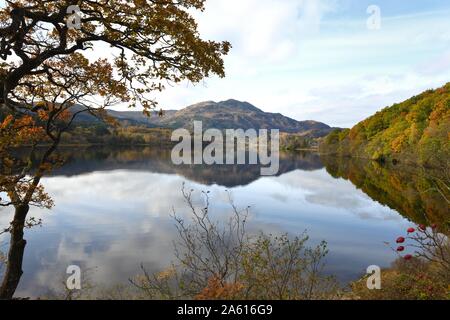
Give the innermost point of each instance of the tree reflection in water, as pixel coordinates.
(410, 191)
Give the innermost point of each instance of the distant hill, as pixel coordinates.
(233, 114)
(230, 114)
(415, 131)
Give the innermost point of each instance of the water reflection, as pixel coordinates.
(113, 205)
(158, 160)
(414, 192)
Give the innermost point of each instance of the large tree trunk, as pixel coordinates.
(14, 271)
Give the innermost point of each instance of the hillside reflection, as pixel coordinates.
(411, 191)
(93, 159)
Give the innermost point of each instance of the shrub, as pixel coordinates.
(422, 271)
(217, 260)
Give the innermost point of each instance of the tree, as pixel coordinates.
(47, 79)
(414, 131)
(153, 42)
(221, 259)
(21, 188)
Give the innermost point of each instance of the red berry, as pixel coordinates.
(408, 257)
(400, 240)
(423, 227)
(401, 248)
(411, 230)
(434, 226)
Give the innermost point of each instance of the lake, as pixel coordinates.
(113, 211)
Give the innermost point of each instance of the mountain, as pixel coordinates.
(414, 131)
(229, 114)
(233, 114)
(138, 118)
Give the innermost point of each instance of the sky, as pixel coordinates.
(319, 59)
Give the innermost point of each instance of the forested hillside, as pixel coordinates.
(414, 131)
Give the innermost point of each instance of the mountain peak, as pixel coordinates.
(230, 105)
(233, 103)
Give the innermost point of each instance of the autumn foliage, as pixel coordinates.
(222, 260)
(220, 290)
(421, 272)
(48, 78)
(414, 131)
(143, 45)
(419, 194)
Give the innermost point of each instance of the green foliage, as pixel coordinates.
(333, 137)
(283, 268)
(416, 131)
(101, 134)
(293, 142)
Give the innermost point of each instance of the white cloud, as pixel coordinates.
(290, 57)
(305, 60)
(263, 29)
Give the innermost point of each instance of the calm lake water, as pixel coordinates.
(113, 206)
